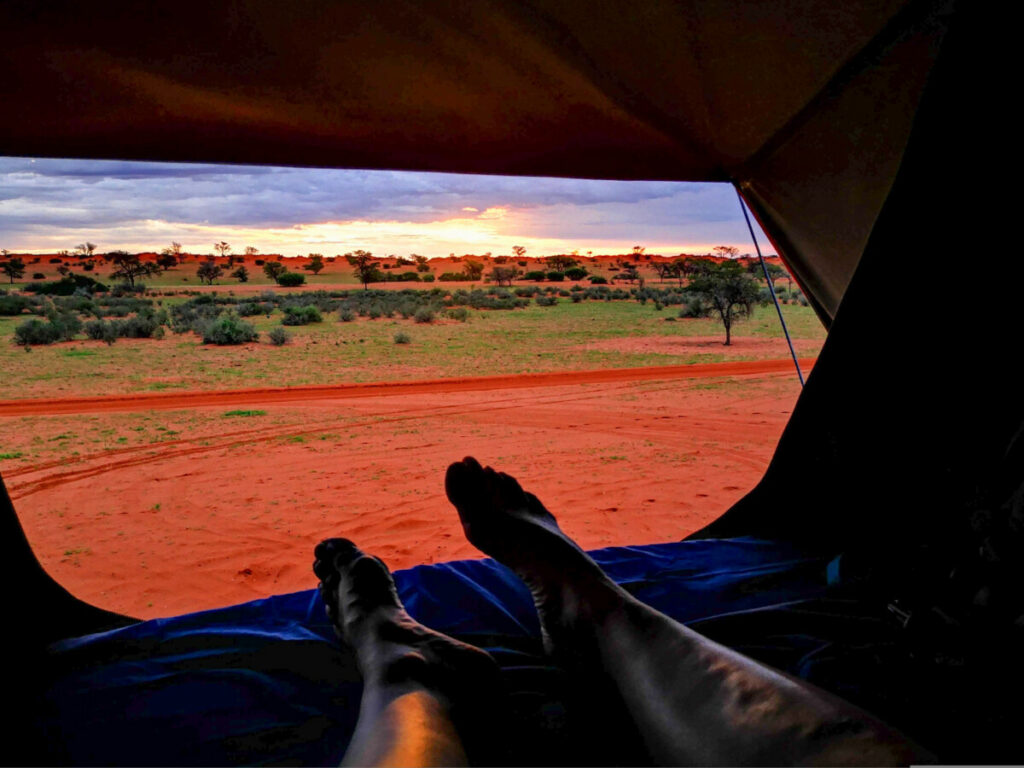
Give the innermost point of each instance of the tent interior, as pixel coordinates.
(889, 522)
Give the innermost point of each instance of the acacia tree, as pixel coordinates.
(242, 274)
(128, 266)
(250, 252)
(222, 248)
(504, 275)
(14, 268)
(274, 269)
(421, 262)
(726, 251)
(316, 263)
(86, 250)
(473, 270)
(730, 291)
(560, 262)
(209, 271)
(519, 251)
(365, 267)
(169, 257)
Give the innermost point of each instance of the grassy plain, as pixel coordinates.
(568, 336)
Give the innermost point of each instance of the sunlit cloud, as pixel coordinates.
(51, 205)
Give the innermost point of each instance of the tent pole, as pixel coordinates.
(771, 287)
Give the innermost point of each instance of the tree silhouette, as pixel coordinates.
(365, 267)
(128, 266)
(209, 271)
(14, 268)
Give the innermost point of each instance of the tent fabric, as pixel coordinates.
(267, 682)
(785, 98)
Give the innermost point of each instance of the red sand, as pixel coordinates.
(193, 524)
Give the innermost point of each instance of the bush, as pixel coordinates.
(66, 286)
(576, 273)
(279, 336)
(424, 315)
(13, 305)
(458, 313)
(36, 331)
(695, 307)
(301, 315)
(402, 338)
(536, 275)
(598, 280)
(546, 301)
(290, 279)
(346, 315)
(38, 276)
(555, 276)
(427, 278)
(228, 328)
(100, 330)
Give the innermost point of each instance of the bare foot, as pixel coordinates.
(391, 647)
(512, 526)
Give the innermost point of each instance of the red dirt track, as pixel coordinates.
(146, 401)
(231, 511)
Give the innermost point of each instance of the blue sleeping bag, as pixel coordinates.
(267, 681)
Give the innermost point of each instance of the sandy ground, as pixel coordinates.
(232, 514)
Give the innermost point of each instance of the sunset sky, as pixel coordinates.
(51, 205)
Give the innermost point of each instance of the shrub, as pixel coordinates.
(38, 276)
(424, 315)
(13, 305)
(228, 328)
(694, 307)
(290, 279)
(555, 276)
(546, 301)
(427, 278)
(458, 313)
(402, 338)
(598, 280)
(536, 275)
(36, 331)
(301, 315)
(346, 315)
(576, 273)
(100, 330)
(279, 336)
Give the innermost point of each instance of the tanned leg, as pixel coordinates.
(692, 701)
(416, 682)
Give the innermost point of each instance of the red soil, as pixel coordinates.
(624, 457)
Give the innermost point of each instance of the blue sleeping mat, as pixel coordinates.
(267, 682)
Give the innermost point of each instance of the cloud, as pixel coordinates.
(48, 203)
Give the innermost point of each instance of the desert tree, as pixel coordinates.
(421, 262)
(223, 249)
(473, 270)
(726, 251)
(274, 269)
(730, 291)
(241, 274)
(560, 262)
(316, 263)
(504, 275)
(638, 251)
(13, 267)
(663, 269)
(129, 267)
(169, 257)
(629, 271)
(519, 251)
(250, 252)
(85, 250)
(365, 267)
(209, 271)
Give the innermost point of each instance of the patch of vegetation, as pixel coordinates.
(227, 329)
(403, 338)
(279, 336)
(243, 413)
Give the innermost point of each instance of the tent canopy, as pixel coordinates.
(785, 99)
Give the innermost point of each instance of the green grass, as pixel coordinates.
(244, 413)
(534, 339)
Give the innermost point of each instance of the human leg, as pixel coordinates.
(417, 683)
(692, 701)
